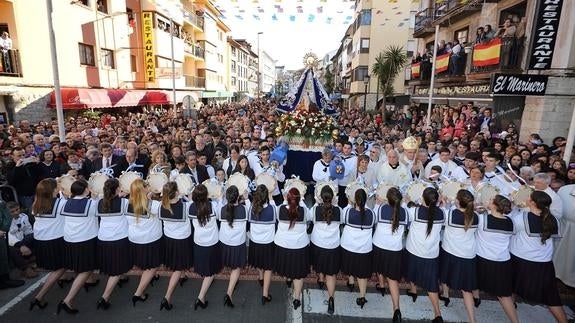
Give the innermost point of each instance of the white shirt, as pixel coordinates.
(357, 234)
(206, 235)
(146, 228)
(176, 224)
(460, 173)
(556, 207)
(325, 235)
(278, 174)
(5, 43)
(446, 168)
(113, 226)
(320, 171)
(456, 240)
(50, 226)
(295, 237)
(418, 242)
(526, 243)
(80, 225)
(396, 177)
(19, 227)
(235, 234)
(263, 226)
(493, 236)
(228, 166)
(384, 237)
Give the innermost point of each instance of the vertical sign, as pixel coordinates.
(545, 34)
(148, 45)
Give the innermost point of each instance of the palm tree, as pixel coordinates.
(387, 65)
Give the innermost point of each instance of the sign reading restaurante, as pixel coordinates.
(148, 39)
(545, 34)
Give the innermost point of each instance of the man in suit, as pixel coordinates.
(130, 162)
(106, 161)
(487, 124)
(199, 173)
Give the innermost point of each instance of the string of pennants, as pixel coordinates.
(314, 11)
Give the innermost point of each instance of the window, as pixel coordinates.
(85, 2)
(364, 45)
(233, 81)
(360, 73)
(461, 35)
(108, 58)
(86, 54)
(133, 63)
(103, 6)
(365, 17)
(412, 19)
(234, 51)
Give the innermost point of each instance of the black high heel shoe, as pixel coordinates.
(350, 287)
(296, 304)
(361, 301)
(200, 304)
(477, 301)
(136, 299)
(413, 295)
(156, 278)
(228, 301)
(320, 284)
(380, 289)
(330, 306)
(183, 280)
(266, 299)
(122, 281)
(445, 300)
(261, 281)
(87, 285)
(63, 306)
(37, 302)
(166, 305)
(102, 304)
(437, 319)
(396, 316)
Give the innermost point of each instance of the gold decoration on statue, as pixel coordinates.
(310, 60)
(279, 131)
(335, 133)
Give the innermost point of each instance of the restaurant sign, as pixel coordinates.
(455, 90)
(519, 84)
(148, 39)
(545, 34)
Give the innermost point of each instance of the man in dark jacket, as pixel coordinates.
(24, 176)
(199, 173)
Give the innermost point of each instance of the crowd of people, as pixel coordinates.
(432, 241)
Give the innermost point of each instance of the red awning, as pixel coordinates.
(78, 98)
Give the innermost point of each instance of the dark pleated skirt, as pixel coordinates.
(325, 261)
(291, 263)
(423, 272)
(388, 263)
(356, 264)
(49, 253)
(495, 277)
(207, 260)
(178, 253)
(114, 257)
(261, 256)
(80, 256)
(234, 256)
(535, 281)
(458, 273)
(148, 255)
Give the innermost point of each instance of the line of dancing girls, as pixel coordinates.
(498, 252)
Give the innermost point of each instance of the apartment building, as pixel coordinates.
(267, 69)
(240, 73)
(522, 69)
(112, 54)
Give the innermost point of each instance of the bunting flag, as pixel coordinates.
(487, 54)
(442, 63)
(319, 9)
(415, 70)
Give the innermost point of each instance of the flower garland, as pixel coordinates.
(312, 127)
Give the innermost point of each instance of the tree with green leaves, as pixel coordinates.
(386, 67)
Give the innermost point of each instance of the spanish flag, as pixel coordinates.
(415, 70)
(442, 63)
(487, 54)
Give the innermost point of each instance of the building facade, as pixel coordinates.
(522, 70)
(267, 71)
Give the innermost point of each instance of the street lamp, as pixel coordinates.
(259, 72)
(366, 82)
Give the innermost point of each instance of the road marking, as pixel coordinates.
(315, 302)
(23, 295)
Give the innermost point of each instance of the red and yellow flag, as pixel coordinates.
(487, 54)
(442, 63)
(415, 70)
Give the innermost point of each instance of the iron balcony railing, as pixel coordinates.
(10, 63)
(195, 81)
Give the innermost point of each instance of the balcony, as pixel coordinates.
(194, 49)
(423, 23)
(501, 55)
(450, 11)
(194, 19)
(10, 61)
(195, 81)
